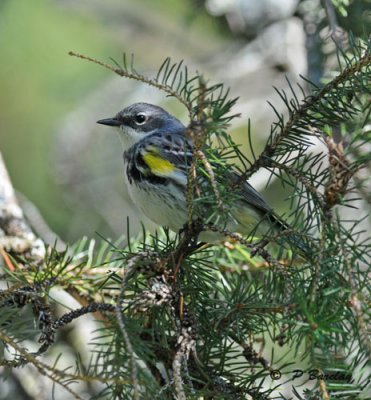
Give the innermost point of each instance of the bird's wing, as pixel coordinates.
(177, 149)
(248, 193)
(255, 199)
(169, 154)
(166, 155)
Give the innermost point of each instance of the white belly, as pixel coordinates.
(169, 208)
(158, 206)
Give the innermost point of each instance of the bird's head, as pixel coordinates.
(141, 119)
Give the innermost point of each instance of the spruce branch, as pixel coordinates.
(132, 266)
(355, 303)
(301, 177)
(53, 373)
(182, 311)
(48, 339)
(314, 112)
(42, 368)
(339, 174)
(256, 248)
(130, 73)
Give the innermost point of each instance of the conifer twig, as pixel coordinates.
(42, 368)
(132, 265)
(256, 248)
(301, 112)
(134, 75)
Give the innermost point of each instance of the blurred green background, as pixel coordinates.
(40, 83)
(56, 155)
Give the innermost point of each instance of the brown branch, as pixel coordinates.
(340, 174)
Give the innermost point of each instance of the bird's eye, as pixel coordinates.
(140, 119)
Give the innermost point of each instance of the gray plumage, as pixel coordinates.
(157, 157)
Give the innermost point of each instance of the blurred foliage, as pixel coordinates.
(40, 83)
(351, 16)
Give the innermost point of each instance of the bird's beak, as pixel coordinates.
(110, 122)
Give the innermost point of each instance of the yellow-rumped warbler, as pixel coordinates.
(157, 156)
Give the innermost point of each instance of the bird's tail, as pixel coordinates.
(297, 243)
(287, 236)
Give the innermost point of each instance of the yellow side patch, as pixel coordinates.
(158, 165)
